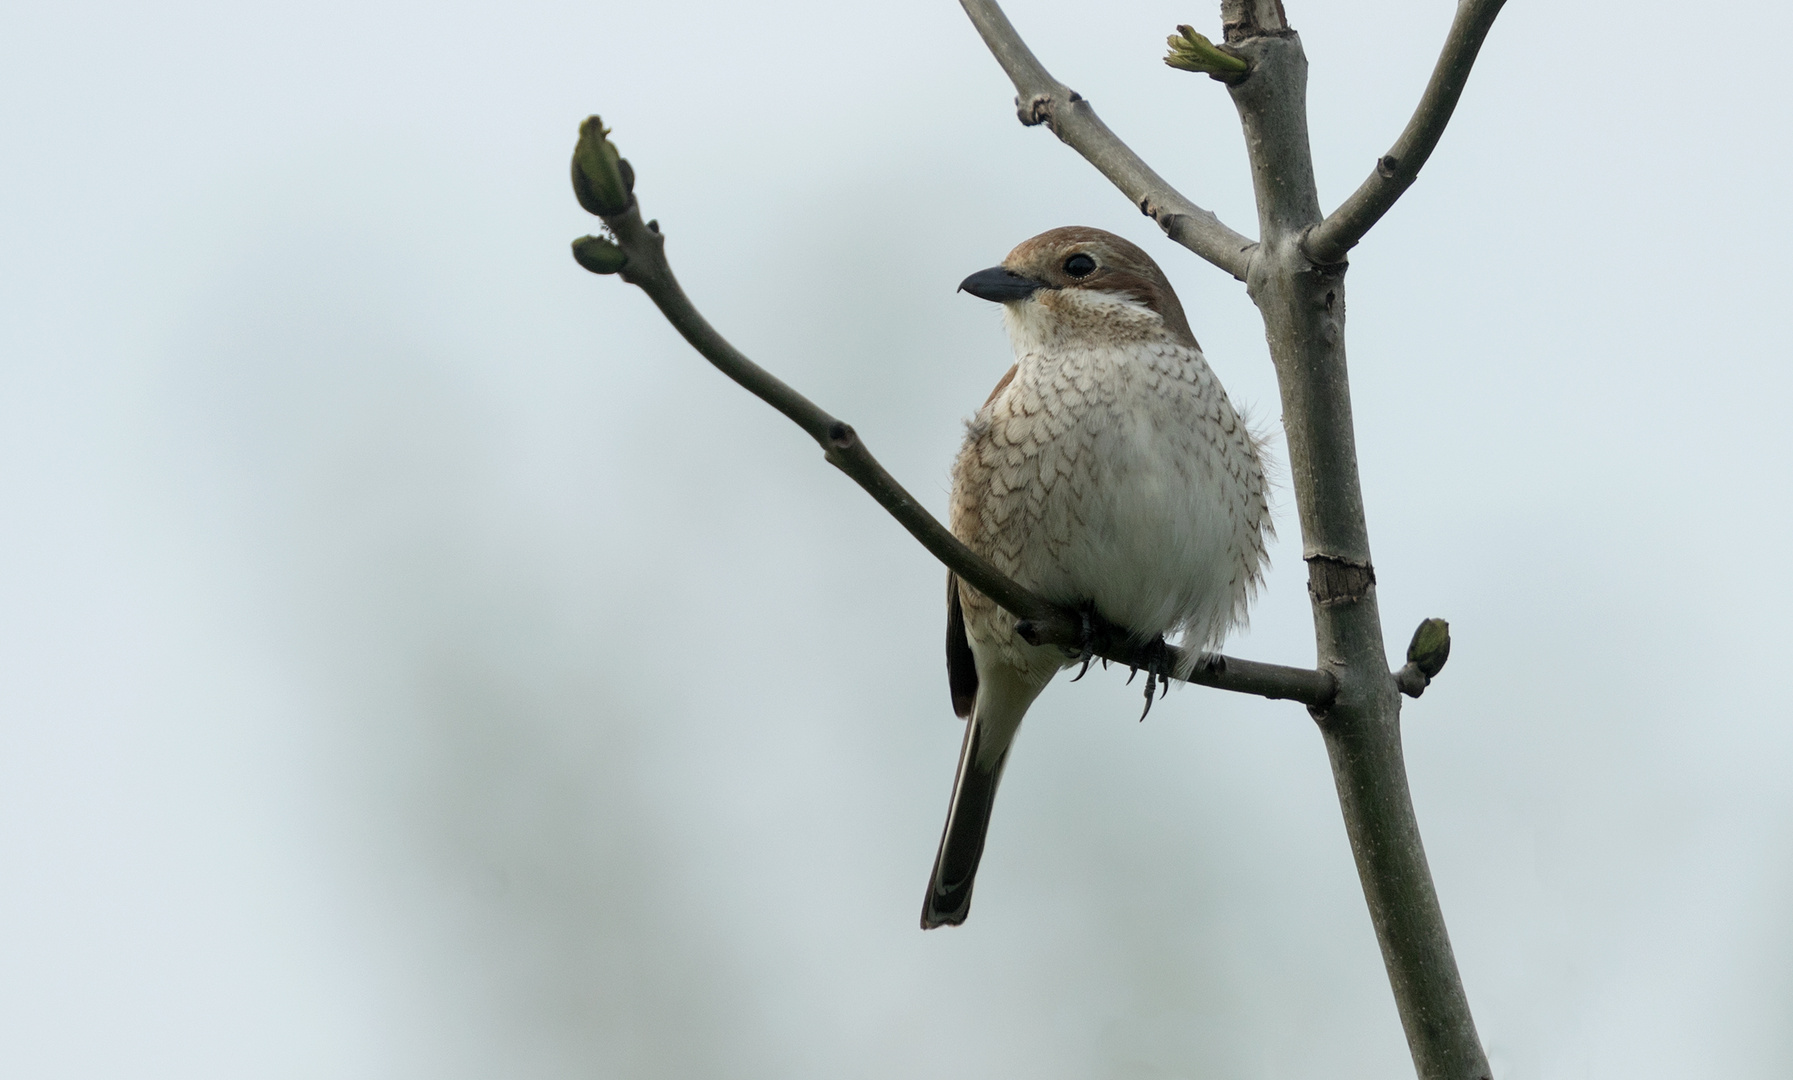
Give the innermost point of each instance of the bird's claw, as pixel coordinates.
(1087, 652)
(1155, 674)
(1084, 670)
(1157, 659)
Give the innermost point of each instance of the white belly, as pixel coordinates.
(1126, 479)
(1159, 544)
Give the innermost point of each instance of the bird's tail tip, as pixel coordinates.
(942, 910)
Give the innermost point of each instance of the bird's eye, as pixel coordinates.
(1080, 266)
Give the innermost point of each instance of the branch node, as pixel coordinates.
(1038, 110)
(1241, 19)
(1165, 219)
(1028, 631)
(841, 435)
(1387, 165)
(1410, 680)
(1332, 580)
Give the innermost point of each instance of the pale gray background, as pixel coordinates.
(418, 663)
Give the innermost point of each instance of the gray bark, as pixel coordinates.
(1303, 306)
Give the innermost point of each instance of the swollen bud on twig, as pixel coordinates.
(1190, 51)
(599, 255)
(1431, 647)
(602, 181)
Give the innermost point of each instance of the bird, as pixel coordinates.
(1109, 473)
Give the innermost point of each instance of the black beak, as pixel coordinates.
(1000, 284)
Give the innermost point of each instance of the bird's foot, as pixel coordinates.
(1157, 672)
(1086, 635)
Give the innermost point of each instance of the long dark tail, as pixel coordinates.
(967, 823)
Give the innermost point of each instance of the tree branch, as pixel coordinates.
(1295, 275)
(1396, 170)
(1041, 99)
(637, 251)
(1303, 307)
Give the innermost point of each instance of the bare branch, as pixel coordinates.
(638, 254)
(1303, 306)
(645, 265)
(1396, 170)
(1041, 99)
(1314, 689)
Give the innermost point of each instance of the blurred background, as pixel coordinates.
(416, 662)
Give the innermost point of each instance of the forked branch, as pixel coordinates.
(1042, 99)
(636, 251)
(1396, 170)
(1296, 278)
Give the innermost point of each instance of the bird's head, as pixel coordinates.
(1074, 282)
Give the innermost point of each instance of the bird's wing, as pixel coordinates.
(961, 666)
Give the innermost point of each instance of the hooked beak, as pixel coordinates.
(1001, 285)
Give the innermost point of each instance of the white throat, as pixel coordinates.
(1054, 319)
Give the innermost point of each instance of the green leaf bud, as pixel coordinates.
(602, 180)
(1431, 646)
(1191, 51)
(599, 255)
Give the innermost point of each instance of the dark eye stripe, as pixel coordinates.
(1080, 265)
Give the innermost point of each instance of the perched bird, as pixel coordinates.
(1108, 472)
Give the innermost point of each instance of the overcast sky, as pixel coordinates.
(416, 663)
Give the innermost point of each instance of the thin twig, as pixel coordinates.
(1396, 170)
(1042, 99)
(1045, 623)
